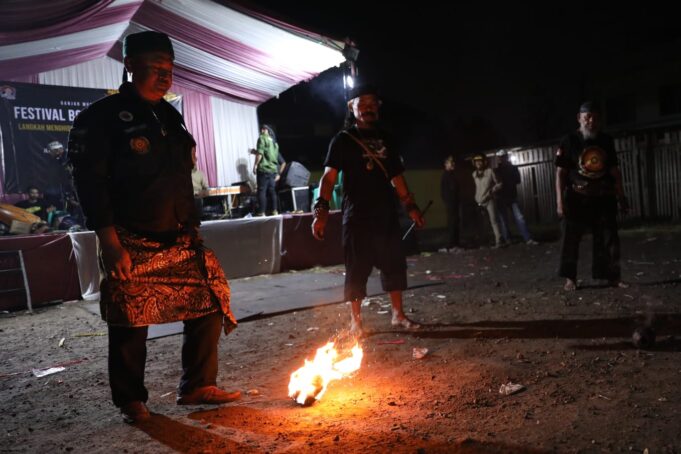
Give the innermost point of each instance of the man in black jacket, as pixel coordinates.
(132, 163)
(450, 191)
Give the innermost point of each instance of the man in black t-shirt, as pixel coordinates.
(588, 190)
(372, 173)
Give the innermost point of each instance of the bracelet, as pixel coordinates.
(321, 207)
(321, 203)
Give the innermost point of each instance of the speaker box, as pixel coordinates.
(295, 175)
(294, 199)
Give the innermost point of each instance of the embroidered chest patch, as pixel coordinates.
(125, 116)
(140, 145)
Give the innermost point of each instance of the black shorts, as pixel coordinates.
(367, 247)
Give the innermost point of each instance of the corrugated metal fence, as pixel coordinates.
(651, 177)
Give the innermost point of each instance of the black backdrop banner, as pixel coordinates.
(34, 126)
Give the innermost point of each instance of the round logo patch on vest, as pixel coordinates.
(124, 115)
(140, 145)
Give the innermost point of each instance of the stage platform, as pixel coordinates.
(63, 266)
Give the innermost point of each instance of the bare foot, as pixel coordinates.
(356, 328)
(618, 284)
(404, 322)
(570, 285)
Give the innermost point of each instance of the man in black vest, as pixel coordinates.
(132, 162)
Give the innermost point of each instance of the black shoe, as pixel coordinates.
(211, 395)
(135, 411)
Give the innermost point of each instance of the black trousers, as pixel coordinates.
(598, 215)
(266, 191)
(370, 246)
(453, 221)
(128, 354)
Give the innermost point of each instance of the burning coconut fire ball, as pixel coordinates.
(309, 383)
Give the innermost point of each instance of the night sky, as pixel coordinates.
(462, 78)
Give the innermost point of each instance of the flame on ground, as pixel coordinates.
(309, 383)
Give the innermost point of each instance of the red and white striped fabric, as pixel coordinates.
(219, 51)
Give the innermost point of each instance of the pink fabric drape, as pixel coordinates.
(206, 83)
(160, 19)
(198, 114)
(35, 16)
(90, 18)
(94, 17)
(19, 67)
(250, 9)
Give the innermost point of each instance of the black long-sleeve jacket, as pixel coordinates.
(132, 165)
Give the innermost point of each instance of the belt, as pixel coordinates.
(585, 190)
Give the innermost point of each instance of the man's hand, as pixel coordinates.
(117, 262)
(321, 216)
(416, 216)
(258, 158)
(561, 183)
(318, 227)
(191, 235)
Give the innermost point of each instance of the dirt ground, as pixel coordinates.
(499, 317)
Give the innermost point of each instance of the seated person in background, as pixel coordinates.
(200, 183)
(71, 216)
(36, 205)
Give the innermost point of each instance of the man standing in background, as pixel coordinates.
(268, 166)
(450, 192)
(507, 199)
